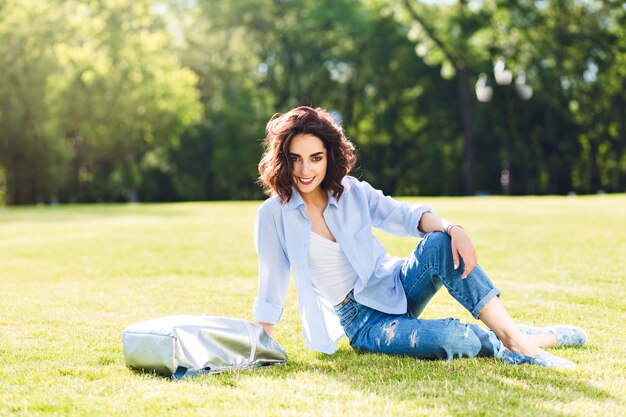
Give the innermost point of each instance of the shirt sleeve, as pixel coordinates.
(395, 217)
(273, 265)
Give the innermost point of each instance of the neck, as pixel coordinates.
(317, 198)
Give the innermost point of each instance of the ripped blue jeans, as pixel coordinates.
(423, 273)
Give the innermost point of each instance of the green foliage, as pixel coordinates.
(123, 100)
(95, 98)
(3, 186)
(571, 57)
(118, 99)
(402, 119)
(30, 154)
(567, 55)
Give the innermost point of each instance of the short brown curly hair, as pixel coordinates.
(276, 167)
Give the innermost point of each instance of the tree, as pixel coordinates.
(91, 99)
(447, 40)
(122, 100)
(31, 155)
(572, 50)
(167, 100)
(555, 139)
(251, 65)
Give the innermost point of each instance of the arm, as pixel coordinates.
(395, 217)
(273, 269)
(403, 219)
(462, 246)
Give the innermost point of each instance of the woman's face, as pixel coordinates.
(309, 158)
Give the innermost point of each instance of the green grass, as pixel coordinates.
(73, 277)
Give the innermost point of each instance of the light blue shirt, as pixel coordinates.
(281, 237)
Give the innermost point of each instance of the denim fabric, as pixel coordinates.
(423, 273)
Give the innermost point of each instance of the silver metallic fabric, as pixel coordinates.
(179, 346)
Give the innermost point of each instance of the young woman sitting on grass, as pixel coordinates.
(318, 223)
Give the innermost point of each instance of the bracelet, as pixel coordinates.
(450, 226)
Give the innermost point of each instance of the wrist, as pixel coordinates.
(448, 228)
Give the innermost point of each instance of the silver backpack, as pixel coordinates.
(179, 346)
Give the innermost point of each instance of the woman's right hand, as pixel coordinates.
(268, 327)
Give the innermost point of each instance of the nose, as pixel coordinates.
(306, 168)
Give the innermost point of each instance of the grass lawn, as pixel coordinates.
(73, 277)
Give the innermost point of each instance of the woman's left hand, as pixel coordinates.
(462, 248)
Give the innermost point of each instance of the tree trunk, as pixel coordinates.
(465, 91)
(467, 115)
(620, 108)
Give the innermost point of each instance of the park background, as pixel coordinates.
(117, 101)
(122, 100)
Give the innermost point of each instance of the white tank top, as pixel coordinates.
(330, 271)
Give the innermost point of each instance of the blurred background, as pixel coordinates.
(139, 100)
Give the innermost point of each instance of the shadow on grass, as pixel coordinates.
(482, 386)
(461, 387)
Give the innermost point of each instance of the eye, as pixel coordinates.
(294, 158)
(317, 158)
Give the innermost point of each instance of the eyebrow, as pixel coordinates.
(313, 154)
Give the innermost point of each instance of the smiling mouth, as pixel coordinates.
(306, 181)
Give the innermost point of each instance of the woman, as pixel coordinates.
(318, 223)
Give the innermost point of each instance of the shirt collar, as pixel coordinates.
(296, 200)
(332, 201)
